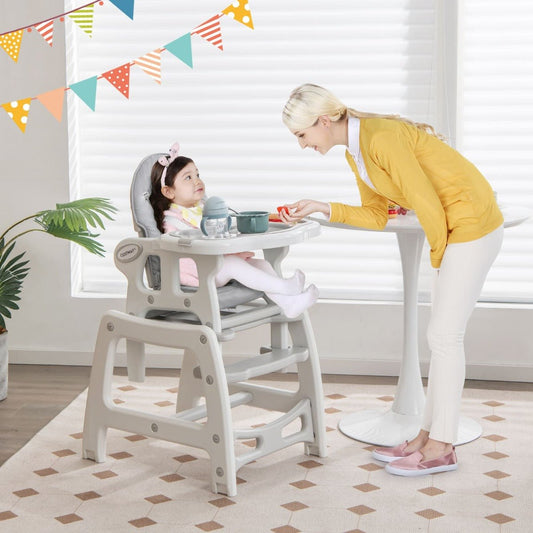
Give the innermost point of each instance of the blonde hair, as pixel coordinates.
(308, 102)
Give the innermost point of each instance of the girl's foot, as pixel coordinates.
(295, 284)
(293, 306)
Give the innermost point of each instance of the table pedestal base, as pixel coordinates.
(389, 429)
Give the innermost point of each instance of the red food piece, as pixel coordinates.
(283, 208)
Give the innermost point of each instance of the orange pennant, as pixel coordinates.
(18, 112)
(10, 42)
(240, 11)
(46, 29)
(53, 101)
(120, 78)
(210, 31)
(151, 64)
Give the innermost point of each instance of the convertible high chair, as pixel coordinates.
(161, 312)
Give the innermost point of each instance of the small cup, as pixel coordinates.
(252, 221)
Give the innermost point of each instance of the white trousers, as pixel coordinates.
(457, 286)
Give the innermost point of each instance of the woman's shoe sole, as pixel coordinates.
(385, 458)
(423, 472)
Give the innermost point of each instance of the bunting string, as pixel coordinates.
(119, 77)
(10, 41)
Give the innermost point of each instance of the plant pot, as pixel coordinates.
(3, 366)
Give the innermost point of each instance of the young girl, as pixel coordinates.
(177, 199)
(396, 160)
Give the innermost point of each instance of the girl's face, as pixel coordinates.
(318, 136)
(188, 189)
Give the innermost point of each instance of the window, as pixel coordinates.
(226, 113)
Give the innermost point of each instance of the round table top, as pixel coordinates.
(512, 216)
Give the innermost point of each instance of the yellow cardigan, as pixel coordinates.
(411, 168)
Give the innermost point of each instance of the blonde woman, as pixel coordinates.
(406, 163)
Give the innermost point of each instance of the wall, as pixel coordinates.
(54, 328)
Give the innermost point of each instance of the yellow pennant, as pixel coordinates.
(240, 11)
(10, 42)
(18, 111)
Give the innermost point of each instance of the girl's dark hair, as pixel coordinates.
(158, 201)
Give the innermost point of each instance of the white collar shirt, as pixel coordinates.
(354, 125)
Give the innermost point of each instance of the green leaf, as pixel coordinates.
(12, 272)
(78, 215)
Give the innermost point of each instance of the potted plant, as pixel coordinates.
(71, 221)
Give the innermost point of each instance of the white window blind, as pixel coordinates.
(226, 114)
(497, 126)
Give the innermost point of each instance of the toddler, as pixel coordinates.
(177, 199)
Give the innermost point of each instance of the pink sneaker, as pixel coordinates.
(391, 454)
(414, 465)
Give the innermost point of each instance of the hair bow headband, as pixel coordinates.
(165, 160)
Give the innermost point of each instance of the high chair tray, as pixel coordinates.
(278, 235)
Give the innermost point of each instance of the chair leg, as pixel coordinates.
(94, 428)
(190, 389)
(135, 360)
(311, 382)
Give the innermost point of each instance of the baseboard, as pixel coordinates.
(329, 365)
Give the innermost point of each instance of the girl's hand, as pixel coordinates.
(303, 208)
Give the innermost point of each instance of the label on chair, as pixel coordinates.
(128, 252)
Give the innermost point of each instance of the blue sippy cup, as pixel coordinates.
(216, 222)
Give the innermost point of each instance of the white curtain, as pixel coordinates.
(226, 113)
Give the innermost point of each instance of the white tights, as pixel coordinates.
(259, 274)
(457, 286)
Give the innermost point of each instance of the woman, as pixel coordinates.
(398, 161)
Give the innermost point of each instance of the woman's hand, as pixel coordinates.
(303, 208)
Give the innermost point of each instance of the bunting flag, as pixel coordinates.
(120, 79)
(46, 29)
(126, 6)
(18, 112)
(240, 11)
(10, 42)
(151, 64)
(181, 48)
(86, 90)
(210, 31)
(83, 17)
(53, 101)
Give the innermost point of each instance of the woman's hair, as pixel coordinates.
(159, 202)
(308, 102)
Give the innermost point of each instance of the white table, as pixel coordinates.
(402, 421)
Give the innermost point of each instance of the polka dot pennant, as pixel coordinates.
(10, 42)
(120, 79)
(18, 112)
(240, 11)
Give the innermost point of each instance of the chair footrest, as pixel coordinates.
(260, 365)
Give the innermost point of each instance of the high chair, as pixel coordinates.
(161, 312)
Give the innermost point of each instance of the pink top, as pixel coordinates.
(179, 218)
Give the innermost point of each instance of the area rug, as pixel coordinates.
(162, 487)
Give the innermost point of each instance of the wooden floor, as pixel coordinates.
(38, 393)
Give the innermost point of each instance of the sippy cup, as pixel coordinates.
(216, 222)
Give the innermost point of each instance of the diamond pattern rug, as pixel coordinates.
(156, 486)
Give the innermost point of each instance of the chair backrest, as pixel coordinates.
(143, 214)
